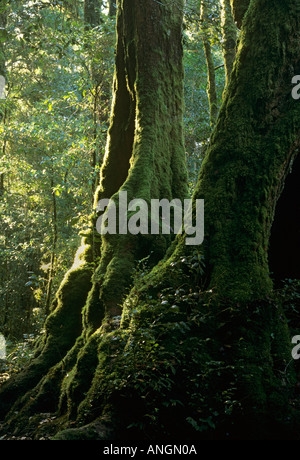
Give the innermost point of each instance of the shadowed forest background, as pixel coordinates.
(218, 361)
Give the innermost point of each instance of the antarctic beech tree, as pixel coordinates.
(211, 73)
(202, 348)
(229, 34)
(145, 158)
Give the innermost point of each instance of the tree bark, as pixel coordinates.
(229, 39)
(3, 24)
(112, 8)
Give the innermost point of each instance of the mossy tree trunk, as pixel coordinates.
(54, 229)
(3, 24)
(3, 110)
(229, 33)
(208, 349)
(211, 74)
(145, 157)
(251, 151)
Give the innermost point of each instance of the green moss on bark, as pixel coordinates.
(215, 360)
(144, 156)
(239, 9)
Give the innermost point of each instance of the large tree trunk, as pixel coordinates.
(184, 362)
(3, 76)
(229, 33)
(145, 157)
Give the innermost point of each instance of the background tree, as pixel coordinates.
(3, 111)
(239, 9)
